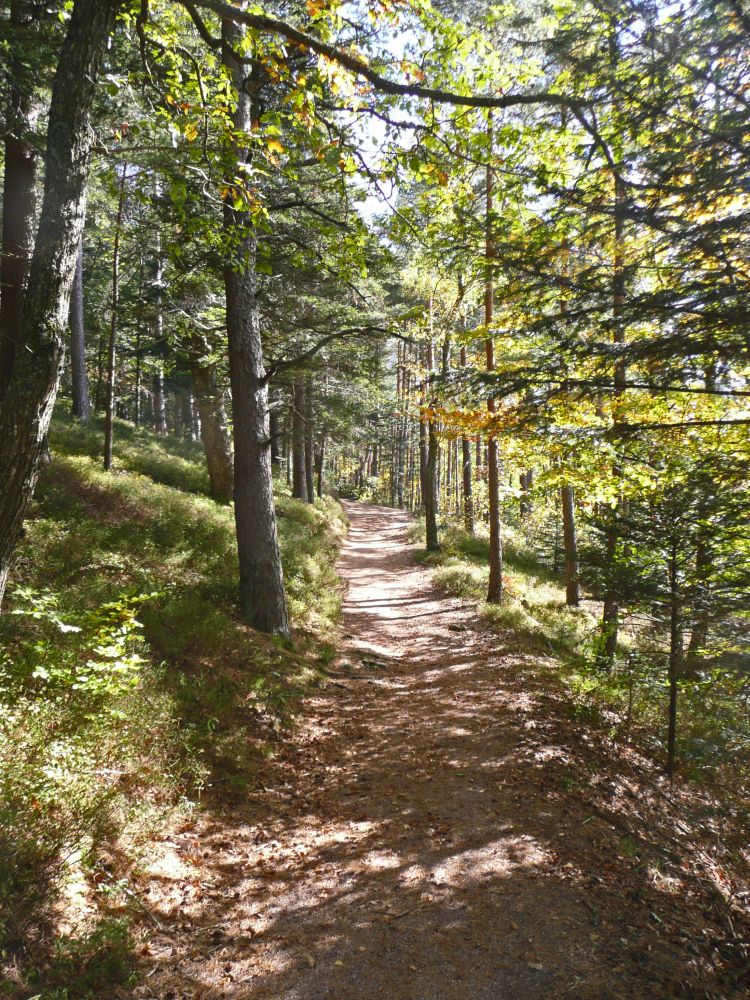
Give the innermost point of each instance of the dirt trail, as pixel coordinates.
(433, 831)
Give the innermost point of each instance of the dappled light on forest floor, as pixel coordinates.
(436, 829)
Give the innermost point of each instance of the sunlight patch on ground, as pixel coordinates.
(498, 858)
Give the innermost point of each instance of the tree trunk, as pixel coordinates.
(299, 478)
(30, 397)
(138, 391)
(309, 443)
(261, 589)
(112, 349)
(320, 457)
(273, 423)
(431, 495)
(495, 586)
(19, 202)
(570, 546)
(209, 400)
(431, 486)
(699, 631)
(675, 658)
(467, 483)
(80, 381)
(160, 408)
(187, 406)
(611, 610)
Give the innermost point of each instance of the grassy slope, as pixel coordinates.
(209, 694)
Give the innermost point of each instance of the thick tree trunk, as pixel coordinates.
(570, 546)
(495, 586)
(309, 442)
(80, 380)
(299, 477)
(112, 349)
(30, 397)
(262, 597)
(209, 401)
(19, 202)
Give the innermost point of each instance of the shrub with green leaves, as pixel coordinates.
(83, 728)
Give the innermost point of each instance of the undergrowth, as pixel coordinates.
(129, 686)
(630, 701)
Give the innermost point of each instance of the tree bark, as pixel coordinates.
(570, 546)
(160, 408)
(273, 423)
(19, 202)
(112, 348)
(611, 608)
(675, 658)
(80, 381)
(261, 584)
(30, 397)
(431, 495)
(138, 390)
(209, 400)
(299, 477)
(309, 442)
(320, 457)
(431, 485)
(495, 585)
(466, 479)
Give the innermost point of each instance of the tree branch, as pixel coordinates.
(357, 65)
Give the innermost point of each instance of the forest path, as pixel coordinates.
(428, 833)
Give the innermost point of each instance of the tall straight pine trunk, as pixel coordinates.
(19, 200)
(30, 396)
(431, 488)
(309, 441)
(611, 609)
(675, 655)
(79, 377)
(495, 585)
(299, 477)
(109, 414)
(261, 584)
(570, 546)
(571, 568)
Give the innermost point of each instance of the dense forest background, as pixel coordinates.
(488, 264)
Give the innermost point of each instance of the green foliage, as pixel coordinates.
(88, 745)
(97, 963)
(127, 681)
(630, 700)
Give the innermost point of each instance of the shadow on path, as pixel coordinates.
(437, 829)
